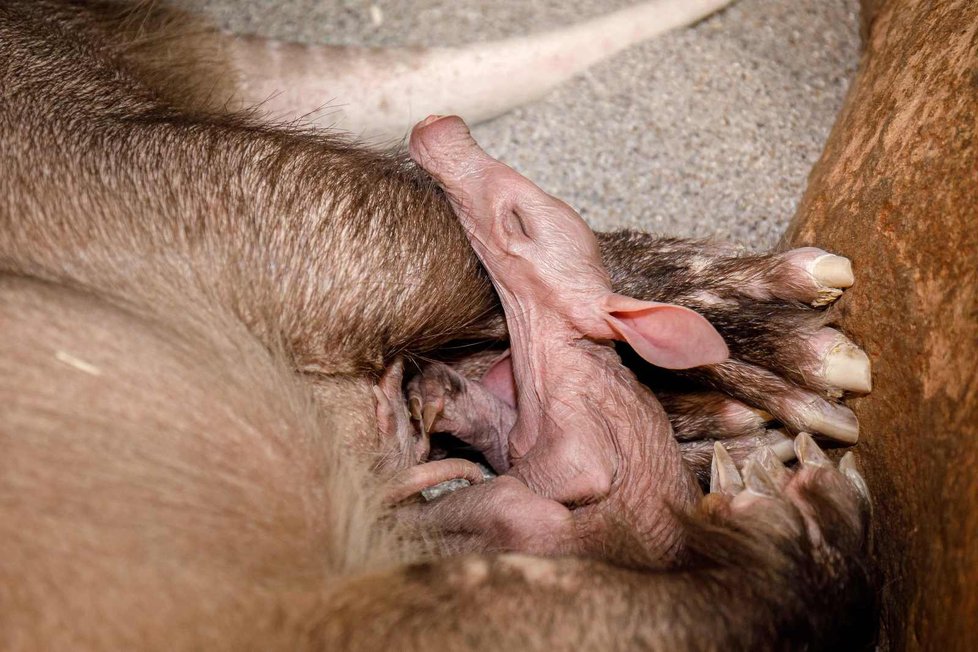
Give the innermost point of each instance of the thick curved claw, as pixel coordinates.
(724, 476)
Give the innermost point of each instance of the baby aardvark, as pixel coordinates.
(590, 455)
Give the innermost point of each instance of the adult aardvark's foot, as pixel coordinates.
(822, 507)
(785, 364)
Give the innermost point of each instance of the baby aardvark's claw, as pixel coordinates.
(414, 405)
(429, 413)
(444, 401)
(399, 446)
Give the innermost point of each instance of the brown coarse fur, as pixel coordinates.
(112, 541)
(897, 187)
(194, 307)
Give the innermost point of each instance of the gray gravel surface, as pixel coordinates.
(709, 131)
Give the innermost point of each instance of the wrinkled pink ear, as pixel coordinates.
(665, 335)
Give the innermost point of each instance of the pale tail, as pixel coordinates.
(378, 93)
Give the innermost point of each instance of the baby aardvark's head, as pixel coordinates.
(544, 259)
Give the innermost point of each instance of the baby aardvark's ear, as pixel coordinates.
(665, 335)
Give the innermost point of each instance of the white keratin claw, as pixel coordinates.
(724, 476)
(848, 467)
(808, 451)
(835, 421)
(847, 367)
(757, 480)
(784, 448)
(833, 271)
(773, 466)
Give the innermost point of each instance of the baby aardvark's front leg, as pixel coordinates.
(591, 444)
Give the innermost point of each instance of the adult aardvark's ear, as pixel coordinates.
(665, 335)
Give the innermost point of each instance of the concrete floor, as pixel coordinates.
(709, 131)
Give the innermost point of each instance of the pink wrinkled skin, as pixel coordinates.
(592, 455)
